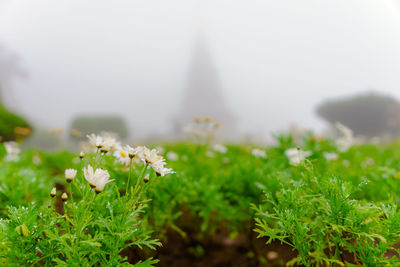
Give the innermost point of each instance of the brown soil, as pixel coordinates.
(217, 251)
(222, 251)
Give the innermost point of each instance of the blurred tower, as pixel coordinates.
(203, 95)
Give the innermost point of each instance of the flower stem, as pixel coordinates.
(129, 177)
(140, 178)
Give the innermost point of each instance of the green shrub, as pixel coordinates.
(9, 122)
(96, 124)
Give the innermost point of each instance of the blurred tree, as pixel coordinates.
(368, 114)
(96, 124)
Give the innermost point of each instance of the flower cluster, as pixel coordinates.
(127, 154)
(98, 178)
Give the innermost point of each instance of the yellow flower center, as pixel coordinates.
(123, 154)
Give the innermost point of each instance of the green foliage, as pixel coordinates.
(332, 212)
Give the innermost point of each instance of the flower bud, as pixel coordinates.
(53, 192)
(81, 155)
(146, 179)
(70, 175)
(97, 190)
(64, 197)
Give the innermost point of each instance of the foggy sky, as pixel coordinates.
(276, 59)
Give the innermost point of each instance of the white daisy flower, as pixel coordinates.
(259, 153)
(97, 179)
(110, 142)
(152, 158)
(95, 140)
(296, 155)
(122, 156)
(70, 174)
(161, 171)
(134, 153)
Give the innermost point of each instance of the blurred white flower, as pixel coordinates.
(36, 159)
(134, 153)
(105, 141)
(259, 153)
(109, 144)
(220, 148)
(97, 179)
(296, 155)
(70, 174)
(13, 150)
(171, 155)
(95, 140)
(367, 162)
(12, 147)
(346, 163)
(210, 154)
(346, 140)
(160, 149)
(330, 156)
